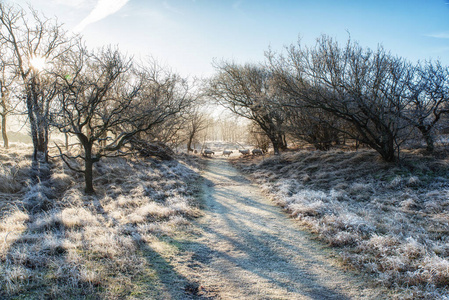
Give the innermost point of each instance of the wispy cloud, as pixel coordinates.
(439, 35)
(103, 9)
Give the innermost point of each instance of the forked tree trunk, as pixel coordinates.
(387, 150)
(428, 137)
(279, 143)
(38, 122)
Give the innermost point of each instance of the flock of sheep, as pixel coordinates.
(209, 153)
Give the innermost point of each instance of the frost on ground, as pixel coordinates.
(391, 221)
(57, 242)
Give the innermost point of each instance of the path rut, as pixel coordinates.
(250, 249)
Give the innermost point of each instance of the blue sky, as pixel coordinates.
(188, 34)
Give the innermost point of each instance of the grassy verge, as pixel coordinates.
(391, 221)
(59, 243)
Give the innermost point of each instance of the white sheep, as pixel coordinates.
(208, 152)
(244, 151)
(227, 152)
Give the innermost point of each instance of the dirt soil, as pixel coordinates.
(247, 248)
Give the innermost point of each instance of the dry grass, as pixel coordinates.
(391, 221)
(57, 242)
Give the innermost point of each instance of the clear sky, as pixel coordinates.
(188, 35)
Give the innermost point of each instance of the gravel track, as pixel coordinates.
(249, 249)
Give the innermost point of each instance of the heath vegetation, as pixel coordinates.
(58, 242)
(389, 220)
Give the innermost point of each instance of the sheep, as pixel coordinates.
(257, 152)
(208, 152)
(227, 152)
(244, 151)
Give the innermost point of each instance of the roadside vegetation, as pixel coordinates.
(387, 220)
(58, 242)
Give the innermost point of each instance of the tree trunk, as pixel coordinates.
(428, 138)
(66, 141)
(88, 169)
(430, 143)
(278, 141)
(389, 156)
(283, 140)
(4, 134)
(4, 114)
(32, 110)
(38, 122)
(44, 145)
(189, 143)
(276, 145)
(388, 151)
(33, 129)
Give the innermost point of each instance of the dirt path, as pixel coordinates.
(249, 249)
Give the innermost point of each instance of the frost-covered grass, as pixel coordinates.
(58, 243)
(391, 221)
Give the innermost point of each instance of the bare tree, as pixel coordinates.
(314, 126)
(195, 123)
(428, 99)
(232, 127)
(249, 91)
(349, 82)
(105, 103)
(33, 40)
(7, 81)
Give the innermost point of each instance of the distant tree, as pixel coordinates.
(196, 121)
(233, 128)
(249, 91)
(106, 102)
(7, 81)
(33, 40)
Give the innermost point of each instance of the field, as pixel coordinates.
(388, 220)
(59, 243)
(127, 241)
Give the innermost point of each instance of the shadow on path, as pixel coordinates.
(249, 249)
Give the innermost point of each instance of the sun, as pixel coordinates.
(38, 62)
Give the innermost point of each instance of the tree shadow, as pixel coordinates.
(39, 266)
(264, 253)
(162, 279)
(254, 262)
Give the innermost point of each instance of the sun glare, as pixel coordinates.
(38, 63)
